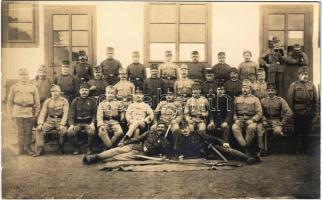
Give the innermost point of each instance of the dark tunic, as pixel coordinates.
(110, 69)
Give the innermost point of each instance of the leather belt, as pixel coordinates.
(24, 105)
(56, 116)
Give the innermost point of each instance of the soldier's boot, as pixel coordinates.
(61, 145)
(90, 144)
(27, 143)
(261, 146)
(73, 141)
(90, 159)
(39, 152)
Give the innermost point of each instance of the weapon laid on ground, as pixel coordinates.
(214, 148)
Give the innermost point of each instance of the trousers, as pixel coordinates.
(24, 126)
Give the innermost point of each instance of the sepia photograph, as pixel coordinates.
(160, 99)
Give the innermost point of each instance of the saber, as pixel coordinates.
(214, 148)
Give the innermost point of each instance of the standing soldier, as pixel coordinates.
(110, 67)
(221, 69)
(248, 68)
(182, 86)
(221, 114)
(136, 71)
(82, 69)
(68, 83)
(109, 113)
(247, 113)
(23, 103)
(53, 115)
(276, 112)
(209, 87)
(196, 110)
(233, 86)
(260, 86)
(303, 100)
(196, 68)
(154, 87)
(138, 115)
(124, 88)
(296, 58)
(82, 116)
(98, 84)
(42, 82)
(168, 71)
(273, 60)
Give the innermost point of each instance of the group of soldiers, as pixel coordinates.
(177, 111)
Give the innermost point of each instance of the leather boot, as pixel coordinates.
(73, 141)
(39, 152)
(61, 145)
(90, 159)
(89, 141)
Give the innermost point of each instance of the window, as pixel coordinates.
(69, 30)
(179, 27)
(20, 24)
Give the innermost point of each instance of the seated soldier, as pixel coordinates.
(196, 109)
(276, 112)
(55, 112)
(221, 114)
(82, 116)
(138, 115)
(247, 113)
(154, 143)
(124, 88)
(109, 113)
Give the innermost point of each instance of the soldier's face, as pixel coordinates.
(123, 76)
(233, 75)
(138, 97)
(82, 58)
(271, 92)
(154, 72)
(247, 56)
(276, 44)
(195, 58)
(221, 58)
(261, 76)
(246, 90)
(64, 70)
(196, 93)
(136, 58)
(161, 128)
(24, 78)
(42, 74)
(168, 58)
(220, 91)
(210, 77)
(169, 97)
(55, 93)
(98, 75)
(184, 73)
(110, 94)
(84, 92)
(304, 76)
(110, 54)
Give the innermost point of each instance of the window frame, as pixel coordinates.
(176, 59)
(5, 26)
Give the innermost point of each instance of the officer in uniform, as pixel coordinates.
(168, 71)
(68, 83)
(196, 110)
(23, 104)
(98, 84)
(221, 114)
(209, 86)
(53, 116)
(42, 83)
(82, 69)
(182, 86)
(196, 68)
(136, 71)
(233, 85)
(154, 87)
(296, 58)
(221, 69)
(260, 86)
(110, 67)
(124, 88)
(303, 100)
(247, 113)
(276, 113)
(82, 116)
(109, 113)
(248, 68)
(138, 115)
(273, 60)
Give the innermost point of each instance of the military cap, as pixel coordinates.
(84, 85)
(271, 86)
(66, 63)
(97, 69)
(208, 70)
(110, 87)
(233, 69)
(275, 39)
(162, 122)
(54, 87)
(135, 53)
(297, 46)
(23, 71)
(81, 53)
(247, 51)
(168, 53)
(42, 68)
(154, 66)
(196, 86)
(184, 66)
(122, 71)
(138, 91)
(260, 71)
(195, 52)
(303, 69)
(221, 53)
(110, 49)
(247, 82)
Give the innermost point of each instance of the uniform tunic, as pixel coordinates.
(183, 87)
(100, 87)
(124, 88)
(82, 111)
(233, 88)
(196, 108)
(248, 70)
(43, 86)
(150, 89)
(169, 111)
(260, 89)
(169, 72)
(247, 107)
(136, 74)
(138, 111)
(209, 88)
(197, 71)
(84, 71)
(110, 69)
(276, 109)
(69, 86)
(221, 71)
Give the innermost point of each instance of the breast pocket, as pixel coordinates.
(299, 94)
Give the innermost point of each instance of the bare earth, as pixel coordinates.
(54, 176)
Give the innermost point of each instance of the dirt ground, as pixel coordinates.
(54, 176)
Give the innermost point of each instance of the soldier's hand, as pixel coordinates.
(248, 122)
(268, 65)
(211, 125)
(92, 126)
(102, 129)
(226, 145)
(92, 87)
(265, 124)
(61, 127)
(71, 128)
(237, 122)
(39, 127)
(224, 125)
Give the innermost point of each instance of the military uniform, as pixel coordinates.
(69, 85)
(42, 85)
(248, 70)
(84, 71)
(124, 89)
(169, 73)
(260, 89)
(182, 87)
(197, 71)
(221, 71)
(303, 100)
(110, 69)
(246, 107)
(209, 87)
(136, 74)
(23, 103)
(82, 114)
(100, 85)
(233, 88)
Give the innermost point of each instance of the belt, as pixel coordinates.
(109, 118)
(169, 78)
(24, 105)
(82, 118)
(55, 116)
